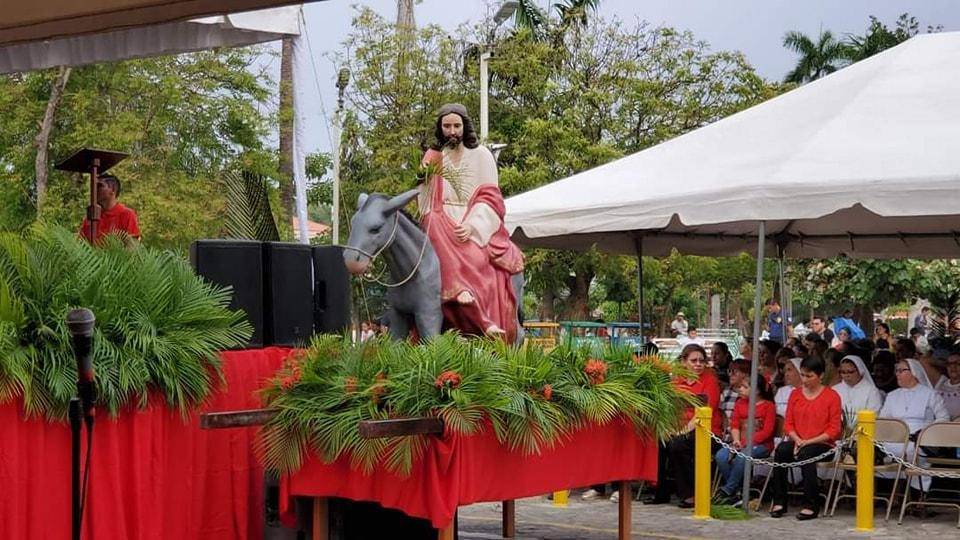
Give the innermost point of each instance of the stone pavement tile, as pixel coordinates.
(538, 519)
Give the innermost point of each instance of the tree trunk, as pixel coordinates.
(43, 136)
(405, 17)
(579, 306)
(286, 130)
(547, 312)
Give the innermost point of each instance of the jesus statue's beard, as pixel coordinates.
(452, 142)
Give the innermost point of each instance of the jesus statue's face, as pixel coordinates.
(452, 126)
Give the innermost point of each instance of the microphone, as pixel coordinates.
(81, 321)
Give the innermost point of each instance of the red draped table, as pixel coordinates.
(461, 470)
(154, 474)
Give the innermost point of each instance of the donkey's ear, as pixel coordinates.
(400, 201)
(361, 199)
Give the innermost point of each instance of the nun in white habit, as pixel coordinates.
(856, 388)
(916, 403)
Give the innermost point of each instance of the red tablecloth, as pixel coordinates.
(458, 470)
(155, 475)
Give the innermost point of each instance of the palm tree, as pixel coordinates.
(817, 59)
(571, 13)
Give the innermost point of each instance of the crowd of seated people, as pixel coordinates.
(816, 384)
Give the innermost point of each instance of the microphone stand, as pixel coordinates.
(75, 492)
(80, 323)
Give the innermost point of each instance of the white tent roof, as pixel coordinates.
(863, 162)
(232, 30)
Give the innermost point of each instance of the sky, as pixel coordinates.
(753, 27)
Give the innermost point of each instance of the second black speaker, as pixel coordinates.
(288, 294)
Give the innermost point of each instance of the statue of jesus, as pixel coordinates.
(462, 211)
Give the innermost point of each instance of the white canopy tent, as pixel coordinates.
(232, 30)
(180, 36)
(27, 21)
(863, 163)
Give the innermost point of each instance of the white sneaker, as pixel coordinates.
(615, 498)
(590, 494)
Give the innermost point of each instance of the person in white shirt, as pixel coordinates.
(949, 388)
(679, 326)
(856, 388)
(791, 381)
(916, 404)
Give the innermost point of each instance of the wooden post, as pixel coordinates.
(446, 533)
(509, 528)
(321, 518)
(625, 508)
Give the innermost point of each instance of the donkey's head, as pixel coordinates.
(372, 227)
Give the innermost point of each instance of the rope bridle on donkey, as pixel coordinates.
(373, 256)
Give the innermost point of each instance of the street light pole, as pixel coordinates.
(505, 12)
(484, 95)
(343, 78)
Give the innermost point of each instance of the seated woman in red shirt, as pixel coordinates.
(812, 426)
(730, 466)
(676, 455)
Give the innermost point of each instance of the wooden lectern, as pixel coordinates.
(93, 162)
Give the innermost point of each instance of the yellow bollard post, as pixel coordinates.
(866, 426)
(560, 498)
(701, 459)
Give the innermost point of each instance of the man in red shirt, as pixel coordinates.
(114, 216)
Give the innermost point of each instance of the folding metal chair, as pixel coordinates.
(888, 430)
(939, 434)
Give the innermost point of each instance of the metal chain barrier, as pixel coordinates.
(912, 467)
(775, 464)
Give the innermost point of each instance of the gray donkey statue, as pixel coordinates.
(379, 227)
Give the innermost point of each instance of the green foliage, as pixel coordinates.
(564, 99)
(249, 215)
(184, 119)
(530, 399)
(825, 54)
(818, 57)
(159, 327)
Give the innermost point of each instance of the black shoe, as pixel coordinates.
(654, 499)
(807, 517)
(685, 504)
(779, 513)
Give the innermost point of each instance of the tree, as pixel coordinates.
(817, 58)
(184, 120)
(879, 37)
(605, 90)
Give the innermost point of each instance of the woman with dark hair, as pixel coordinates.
(721, 358)
(812, 426)
(676, 455)
(731, 466)
(882, 336)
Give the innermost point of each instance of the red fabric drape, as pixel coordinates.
(460, 470)
(154, 475)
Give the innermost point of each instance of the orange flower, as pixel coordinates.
(596, 371)
(547, 392)
(447, 379)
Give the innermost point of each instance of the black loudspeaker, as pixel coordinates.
(237, 264)
(288, 294)
(331, 290)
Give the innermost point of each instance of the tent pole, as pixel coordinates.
(754, 365)
(784, 312)
(638, 244)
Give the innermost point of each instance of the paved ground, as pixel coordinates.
(537, 519)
